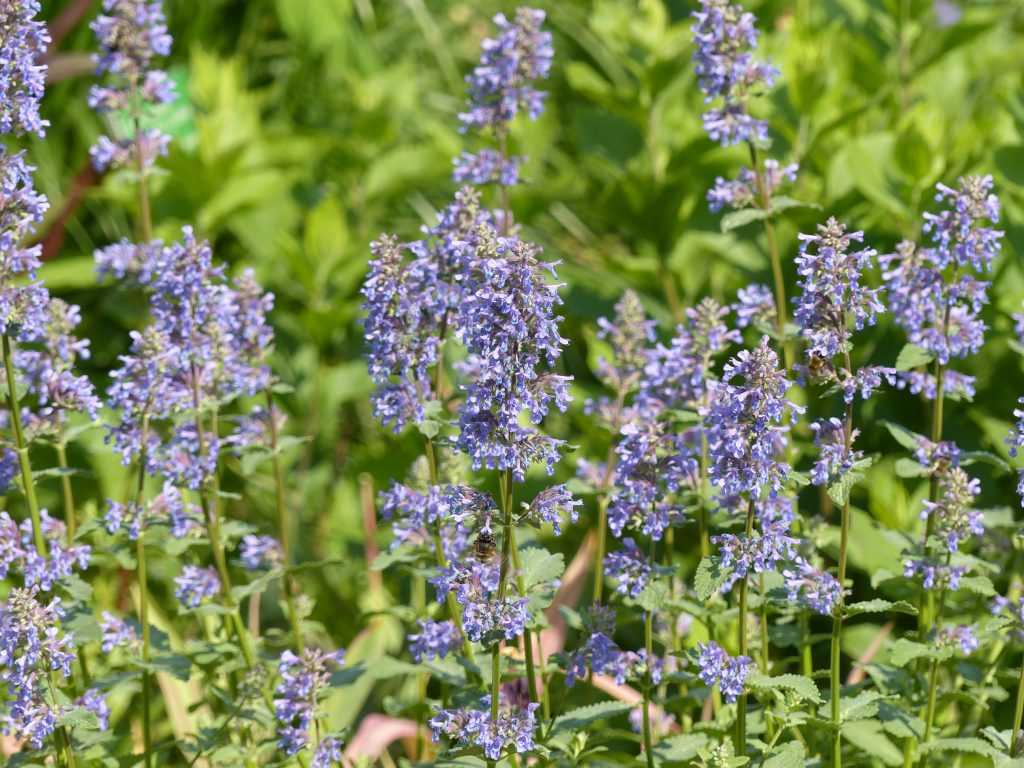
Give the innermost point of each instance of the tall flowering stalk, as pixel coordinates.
(936, 296)
(834, 301)
(730, 76)
(130, 35)
(747, 420)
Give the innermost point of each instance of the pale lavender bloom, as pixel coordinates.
(487, 166)
(933, 292)
(551, 505)
(23, 42)
(32, 647)
(513, 730)
(743, 191)
(727, 672)
(746, 427)
(836, 459)
(956, 385)
(953, 514)
(754, 304)
(435, 639)
(629, 567)
(502, 83)
(1015, 441)
(328, 753)
(933, 573)
(95, 702)
(961, 635)
(303, 680)
(484, 614)
(726, 36)
(261, 552)
(131, 34)
(116, 633)
(818, 590)
(833, 296)
(195, 584)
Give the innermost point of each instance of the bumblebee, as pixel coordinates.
(484, 546)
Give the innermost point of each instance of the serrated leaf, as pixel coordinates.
(861, 706)
(257, 585)
(912, 356)
(540, 567)
(78, 717)
(708, 579)
(736, 219)
(789, 755)
(880, 606)
(681, 747)
(839, 491)
(979, 585)
(971, 745)
(803, 687)
(581, 717)
(391, 557)
(782, 203)
(905, 651)
(654, 596)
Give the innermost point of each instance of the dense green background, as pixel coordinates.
(306, 128)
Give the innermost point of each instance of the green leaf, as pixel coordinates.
(880, 606)
(390, 557)
(971, 745)
(912, 356)
(906, 467)
(789, 755)
(709, 579)
(581, 717)
(736, 219)
(654, 596)
(803, 687)
(1010, 162)
(257, 585)
(78, 717)
(782, 203)
(868, 736)
(904, 651)
(979, 585)
(839, 491)
(909, 440)
(679, 748)
(540, 567)
(985, 457)
(861, 706)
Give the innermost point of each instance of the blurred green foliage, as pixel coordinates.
(306, 128)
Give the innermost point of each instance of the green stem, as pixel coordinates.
(649, 647)
(531, 672)
(933, 673)
(143, 580)
(741, 702)
(806, 661)
(69, 499)
(283, 527)
(1018, 713)
(765, 203)
(505, 481)
(21, 444)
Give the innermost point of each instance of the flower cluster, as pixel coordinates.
(552, 505)
(485, 613)
(764, 548)
(836, 456)
(726, 36)
(629, 567)
(953, 515)
(502, 83)
(513, 729)
(415, 514)
(933, 291)
(507, 322)
(23, 42)
(933, 573)
(716, 667)
(131, 34)
(744, 191)
(629, 335)
(32, 647)
(196, 584)
(40, 569)
(303, 679)
(260, 552)
(817, 589)
(207, 345)
(745, 424)
(960, 636)
(436, 639)
(168, 508)
(833, 295)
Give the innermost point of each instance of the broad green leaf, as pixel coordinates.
(679, 748)
(912, 356)
(709, 579)
(803, 687)
(971, 745)
(581, 717)
(880, 606)
(736, 219)
(788, 755)
(868, 736)
(909, 440)
(904, 651)
(540, 567)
